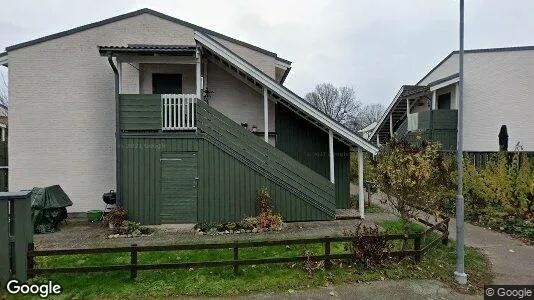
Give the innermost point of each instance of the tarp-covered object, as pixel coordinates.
(49, 208)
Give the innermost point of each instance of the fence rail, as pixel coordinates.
(418, 250)
(178, 111)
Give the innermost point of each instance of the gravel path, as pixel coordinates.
(79, 233)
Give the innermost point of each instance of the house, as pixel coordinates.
(185, 123)
(498, 90)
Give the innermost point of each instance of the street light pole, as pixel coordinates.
(459, 274)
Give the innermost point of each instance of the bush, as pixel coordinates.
(266, 218)
(499, 194)
(414, 177)
(116, 216)
(132, 228)
(368, 245)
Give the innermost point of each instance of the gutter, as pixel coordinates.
(118, 174)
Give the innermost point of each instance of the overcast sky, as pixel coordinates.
(373, 46)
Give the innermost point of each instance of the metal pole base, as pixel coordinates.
(461, 278)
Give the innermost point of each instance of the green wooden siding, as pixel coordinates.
(178, 188)
(141, 172)
(441, 119)
(227, 186)
(435, 125)
(228, 189)
(309, 145)
(140, 112)
(273, 165)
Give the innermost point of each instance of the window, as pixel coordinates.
(166, 83)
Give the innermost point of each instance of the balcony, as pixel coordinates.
(435, 125)
(155, 112)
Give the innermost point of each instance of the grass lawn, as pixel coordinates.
(436, 264)
(374, 209)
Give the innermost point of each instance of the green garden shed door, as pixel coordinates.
(179, 185)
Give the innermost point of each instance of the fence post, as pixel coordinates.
(417, 247)
(236, 258)
(133, 262)
(327, 262)
(5, 264)
(21, 220)
(30, 260)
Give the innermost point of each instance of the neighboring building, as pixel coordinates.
(498, 90)
(367, 130)
(177, 116)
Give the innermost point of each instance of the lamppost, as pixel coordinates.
(459, 274)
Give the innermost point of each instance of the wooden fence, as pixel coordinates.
(16, 232)
(481, 158)
(422, 243)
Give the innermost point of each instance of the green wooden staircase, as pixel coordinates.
(315, 191)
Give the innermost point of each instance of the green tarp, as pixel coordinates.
(49, 208)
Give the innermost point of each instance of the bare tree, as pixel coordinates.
(338, 103)
(367, 115)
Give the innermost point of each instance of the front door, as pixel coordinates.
(178, 188)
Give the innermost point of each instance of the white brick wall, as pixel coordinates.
(498, 90)
(62, 110)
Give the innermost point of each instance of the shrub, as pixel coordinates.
(367, 245)
(116, 216)
(414, 177)
(500, 194)
(263, 201)
(131, 228)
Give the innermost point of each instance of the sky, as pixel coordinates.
(373, 46)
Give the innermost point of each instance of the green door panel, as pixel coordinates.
(178, 188)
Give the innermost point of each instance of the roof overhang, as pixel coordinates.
(3, 59)
(282, 68)
(443, 82)
(284, 95)
(397, 109)
(176, 50)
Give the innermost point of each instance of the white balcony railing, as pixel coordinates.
(178, 111)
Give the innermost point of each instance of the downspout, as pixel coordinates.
(118, 176)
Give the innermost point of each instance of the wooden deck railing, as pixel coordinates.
(178, 111)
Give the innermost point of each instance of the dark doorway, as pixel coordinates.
(444, 101)
(166, 83)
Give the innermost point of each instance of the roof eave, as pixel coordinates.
(134, 14)
(3, 59)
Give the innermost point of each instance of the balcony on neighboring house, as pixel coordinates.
(435, 125)
(430, 111)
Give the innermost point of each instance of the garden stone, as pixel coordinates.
(254, 230)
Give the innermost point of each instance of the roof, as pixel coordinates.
(397, 108)
(143, 48)
(470, 51)
(284, 95)
(137, 13)
(368, 127)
